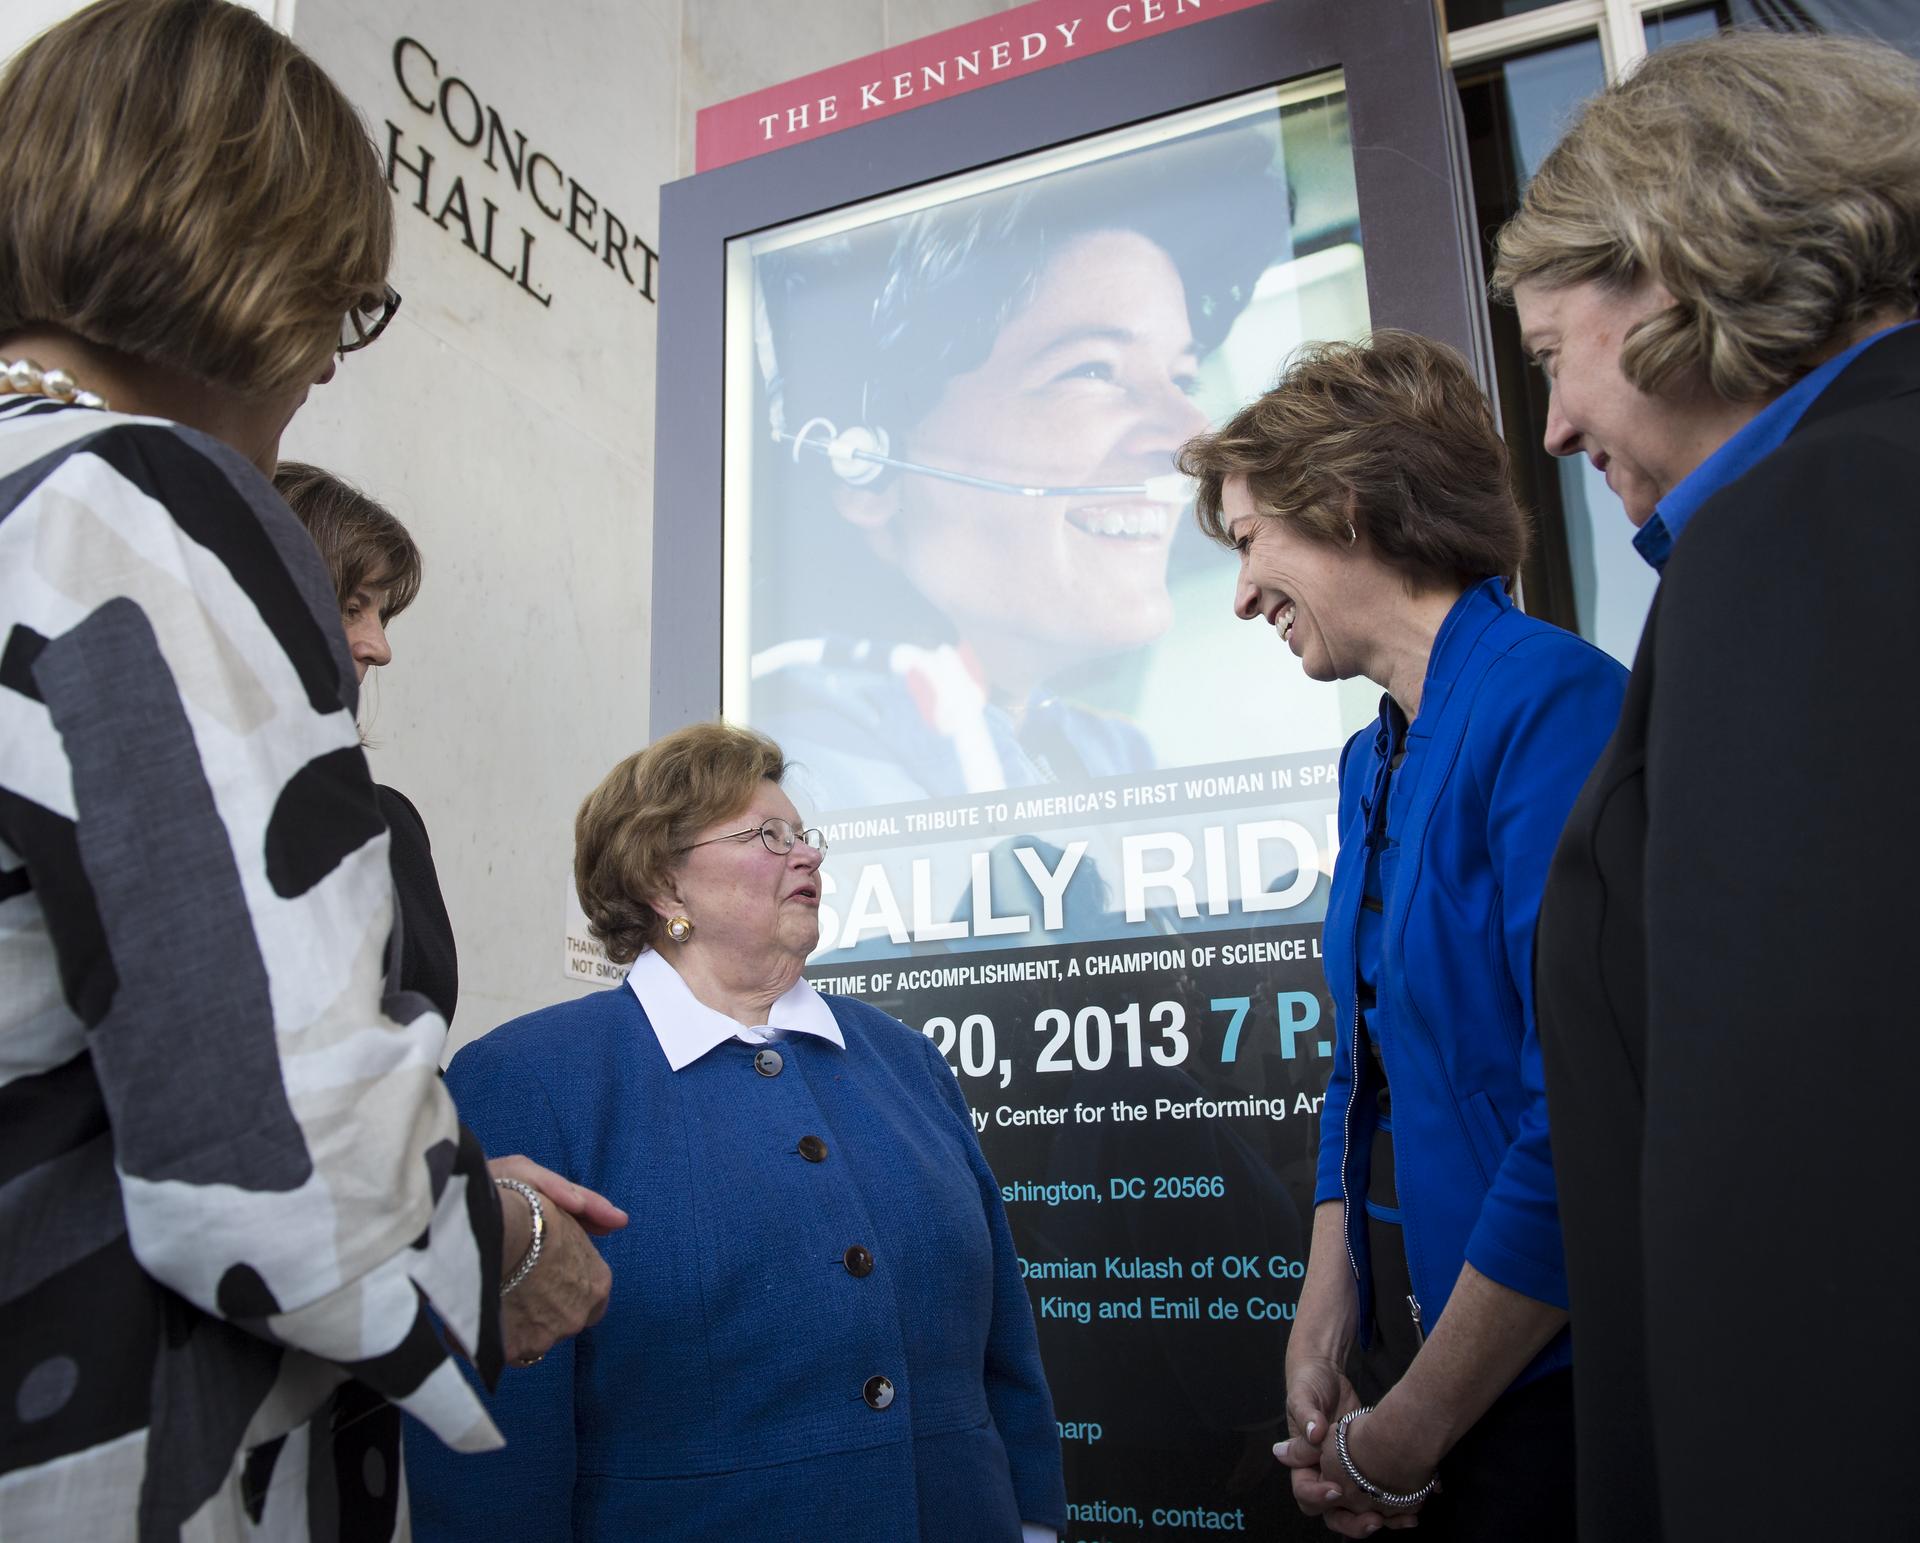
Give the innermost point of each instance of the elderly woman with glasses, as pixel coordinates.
(819, 1326)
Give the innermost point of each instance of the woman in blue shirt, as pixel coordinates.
(1715, 270)
(1367, 496)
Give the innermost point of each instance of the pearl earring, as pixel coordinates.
(679, 929)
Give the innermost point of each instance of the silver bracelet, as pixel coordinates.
(1373, 1490)
(539, 1231)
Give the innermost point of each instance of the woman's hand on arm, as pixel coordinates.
(593, 1211)
(566, 1291)
(561, 1295)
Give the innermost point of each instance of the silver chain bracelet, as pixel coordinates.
(1374, 1491)
(539, 1231)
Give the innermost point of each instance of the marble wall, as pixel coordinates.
(507, 414)
(515, 437)
(507, 417)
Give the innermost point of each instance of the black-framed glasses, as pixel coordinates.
(776, 835)
(367, 321)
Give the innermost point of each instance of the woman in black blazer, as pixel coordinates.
(1716, 269)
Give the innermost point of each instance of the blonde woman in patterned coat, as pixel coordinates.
(234, 1194)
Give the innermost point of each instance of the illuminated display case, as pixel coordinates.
(916, 516)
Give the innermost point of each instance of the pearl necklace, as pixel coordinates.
(22, 377)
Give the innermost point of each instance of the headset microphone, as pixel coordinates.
(859, 454)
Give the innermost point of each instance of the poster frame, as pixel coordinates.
(1423, 265)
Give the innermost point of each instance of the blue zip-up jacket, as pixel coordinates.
(1512, 717)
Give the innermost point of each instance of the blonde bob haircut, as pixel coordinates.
(630, 832)
(1771, 183)
(183, 184)
(1392, 436)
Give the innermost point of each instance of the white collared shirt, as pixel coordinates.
(687, 1028)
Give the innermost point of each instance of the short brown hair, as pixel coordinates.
(628, 836)
(1392, 433)
(360, 539)
(183, 184)
(1771, 183)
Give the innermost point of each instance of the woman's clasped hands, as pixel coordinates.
(1319, 1396)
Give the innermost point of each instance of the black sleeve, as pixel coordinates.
(429, 962)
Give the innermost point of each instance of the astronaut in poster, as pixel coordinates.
(1026, 362)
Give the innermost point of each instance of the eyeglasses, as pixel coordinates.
(776, 835)
(367, 321)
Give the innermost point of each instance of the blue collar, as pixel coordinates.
(1471, 615)
(1478, 607)
(1755, 440)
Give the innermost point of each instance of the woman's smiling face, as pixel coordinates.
(1086, 385)
(1321, 598)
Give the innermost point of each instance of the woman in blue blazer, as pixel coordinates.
(818, 1326)
(1367, 497)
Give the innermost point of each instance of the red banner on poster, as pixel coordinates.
(981, 53)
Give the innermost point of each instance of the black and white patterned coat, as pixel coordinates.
(230, 1178)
